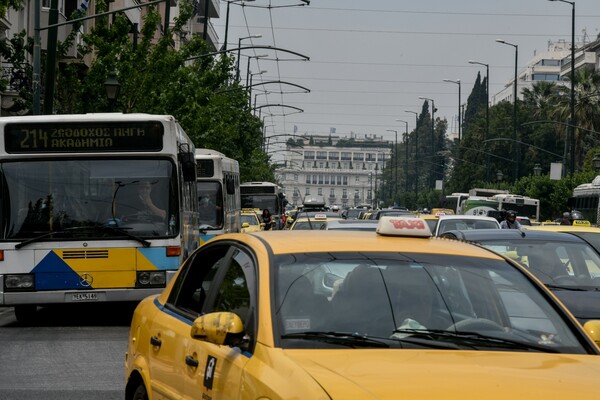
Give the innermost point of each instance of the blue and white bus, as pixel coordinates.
(93, 208)
(218, 186)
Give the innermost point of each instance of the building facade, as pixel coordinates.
(552, 65)
(346, 171)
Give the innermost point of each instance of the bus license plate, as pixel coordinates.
(84, 296)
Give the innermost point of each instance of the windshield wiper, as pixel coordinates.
(474, 339)
(341, 338)
(101, 228)
(25, 242)
(570, 288)
(122, 231)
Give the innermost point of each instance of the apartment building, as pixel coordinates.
(346, 171)
(554, 65)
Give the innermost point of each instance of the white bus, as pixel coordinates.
(93, 208)
(523, 205)
(585, 199)
(265, 195)
(218, 186)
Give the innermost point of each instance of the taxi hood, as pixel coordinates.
(395, 374)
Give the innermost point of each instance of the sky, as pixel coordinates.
(370, 61)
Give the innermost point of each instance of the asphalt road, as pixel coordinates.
(70, 352)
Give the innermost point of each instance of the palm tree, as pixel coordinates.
(587, 107)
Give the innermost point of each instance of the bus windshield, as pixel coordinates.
(73, 197)
(210, 204)
(261, 201)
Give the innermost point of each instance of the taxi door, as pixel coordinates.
(169, 338)
(216, 371)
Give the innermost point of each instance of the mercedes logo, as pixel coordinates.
(86, 279)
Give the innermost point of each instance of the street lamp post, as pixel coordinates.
(416, 156)
(237, 65)
(112, 87)
(248, 65)
(459, 112)
(250, 86)
(537, 170)
(515, 100)
(406, 156)
(572, 121)
(395, 163)
(487, 113)
(432, 177)
(224, 47)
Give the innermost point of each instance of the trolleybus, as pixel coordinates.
(93, 208)
(218, 185)
(264, 195)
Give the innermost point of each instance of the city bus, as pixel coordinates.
(93, 208)
(585, 199)
(524, 206)
(264, 195)
(454, 201)
(218, 186)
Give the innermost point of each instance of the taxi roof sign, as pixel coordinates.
(403, 226)
(320, 216)
(581, 222)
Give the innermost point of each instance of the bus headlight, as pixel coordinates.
(19, 282)
(151, 279)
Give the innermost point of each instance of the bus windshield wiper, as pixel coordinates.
(341, 338)
(122, 231)
(25, 242)
(474, 339)
(102, 228)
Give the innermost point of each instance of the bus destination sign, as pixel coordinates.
(84, 137)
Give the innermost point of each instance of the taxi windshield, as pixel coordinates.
(320, 298)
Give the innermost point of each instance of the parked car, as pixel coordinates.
(564, 262)
(345, 315)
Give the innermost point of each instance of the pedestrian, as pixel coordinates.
(267, 219)
(566, 219)
(510, 221)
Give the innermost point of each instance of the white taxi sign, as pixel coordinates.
(320, 216)
(401, 226)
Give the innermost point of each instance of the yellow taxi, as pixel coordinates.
(392, 314)
(250, 221)
(313, 220)
(431, 219)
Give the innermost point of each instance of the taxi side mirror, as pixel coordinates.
(220, 328)
(592, 328)
(245, 225)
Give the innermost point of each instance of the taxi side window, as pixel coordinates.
(237, 290)
(194, 282)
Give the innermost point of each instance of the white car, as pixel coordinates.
(462, 222)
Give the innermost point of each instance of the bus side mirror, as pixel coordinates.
(188, 166)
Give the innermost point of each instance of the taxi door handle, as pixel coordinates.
(191, 361)
(154, 341)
